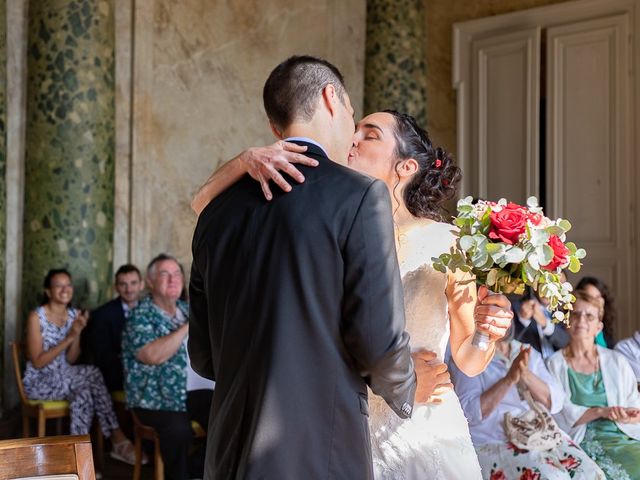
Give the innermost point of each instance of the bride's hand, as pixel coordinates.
(433, 378)
(266, 163)
(492, 314)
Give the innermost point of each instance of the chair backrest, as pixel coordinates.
(34, 457)
(16, 353)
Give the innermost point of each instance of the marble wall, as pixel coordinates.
(69, 161)
(395, 72)
(439, 17)
(3, 165)
(197, 98)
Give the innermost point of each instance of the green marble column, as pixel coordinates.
(395, 73)
(69, 165)
(3, 182)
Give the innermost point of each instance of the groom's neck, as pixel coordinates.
(318, 133)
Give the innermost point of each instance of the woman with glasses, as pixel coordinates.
(601, 411)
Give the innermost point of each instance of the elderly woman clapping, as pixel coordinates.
(495, 395)
(602, 406)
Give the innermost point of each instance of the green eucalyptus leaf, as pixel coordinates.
(539, 237)
(492, 276)
(515, 255)
(479, 258)
(574, 265)
(581, 253)
(571, 247)
(546, 255)
(495, 248)
(467, 243)
(439, 267)
(554, 230)
(530, 272)
(565, 225)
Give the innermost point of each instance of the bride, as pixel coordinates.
(441, 309)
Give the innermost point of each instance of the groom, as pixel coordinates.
(296, 304)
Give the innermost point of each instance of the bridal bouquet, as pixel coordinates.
(508, 246)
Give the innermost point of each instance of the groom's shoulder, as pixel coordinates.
(339, 174)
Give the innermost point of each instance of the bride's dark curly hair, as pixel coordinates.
(437, 178)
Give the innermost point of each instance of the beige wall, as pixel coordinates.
(440, 15)
(197, 78)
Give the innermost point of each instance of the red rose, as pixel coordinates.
(528, 474)
(508, 224)
(570, 463)
(534, 218)
(560, 254)
(497, 475)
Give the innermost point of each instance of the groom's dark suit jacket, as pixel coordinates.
(296, 305)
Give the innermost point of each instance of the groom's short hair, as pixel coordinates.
(292, 89)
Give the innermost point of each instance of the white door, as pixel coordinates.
(505, 108)
(588, 156)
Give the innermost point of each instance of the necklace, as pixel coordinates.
(594, 366)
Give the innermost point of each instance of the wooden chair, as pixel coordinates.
(37, 457)
(145, 432)
(42, 410)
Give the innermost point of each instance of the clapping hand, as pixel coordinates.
(492, 314)
(432, 377)
(520, 367)
(79, 324)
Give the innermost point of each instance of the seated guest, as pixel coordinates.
(157, 370)
(597, 288)
(630, 348)
(533, 325)
(486, 399)
(53, 345)
(107, 322)
(602, 405)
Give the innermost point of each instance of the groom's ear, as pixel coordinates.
(329, 98)
(408, 167)
(275, 131)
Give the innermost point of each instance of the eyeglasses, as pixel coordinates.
(578, 314)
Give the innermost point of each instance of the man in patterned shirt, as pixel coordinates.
(157, 368)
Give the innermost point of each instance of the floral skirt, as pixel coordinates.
(504, 461)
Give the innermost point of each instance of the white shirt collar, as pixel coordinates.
(308, 140)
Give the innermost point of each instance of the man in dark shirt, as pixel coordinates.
(106, 324)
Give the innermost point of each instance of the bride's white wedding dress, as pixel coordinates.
(435, 442)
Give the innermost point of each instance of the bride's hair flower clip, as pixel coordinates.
(438, 163)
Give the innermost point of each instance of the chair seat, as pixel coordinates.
(118, 396)
(198, 431)
(50, 404)
(69, 476)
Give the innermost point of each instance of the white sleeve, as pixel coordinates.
(538, 368)
(549, 328)
(632, 354)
